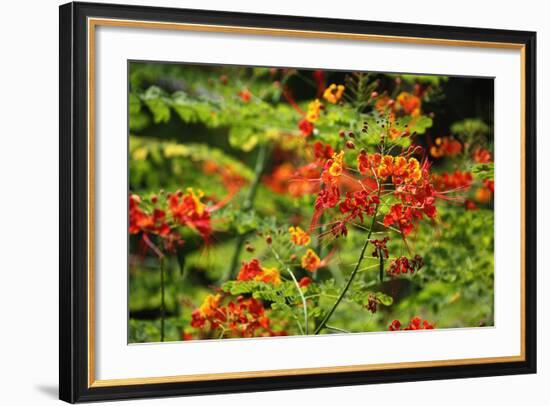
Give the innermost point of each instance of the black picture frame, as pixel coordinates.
(73, 284)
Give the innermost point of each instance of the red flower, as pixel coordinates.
(445, 146)
(372, 304)
(410, 103)
(416, 323)
(404, 265)
(482, 156)
(357, 204)
(254, 271)
(395, 325)
(451, 181)
(306, 127)
(305, 282)
(245, 95)
(322, 152)
(140, 221)
(243, 317)
(380, 249)
(187, 209)
(402, 217)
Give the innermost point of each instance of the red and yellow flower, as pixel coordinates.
(188, 209)
(410, 103)
(445, 146)
(314, 111)
(334, 93)
(254, 271)
(299, 236)
(310, 261)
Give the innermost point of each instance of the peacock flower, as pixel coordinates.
(336, 166)
(310, 261)
(209, 305)
(254, 271)
(410, 103)
(314, 111)
(188, 209)
(334, 93)
(445, 146)
(299, 236)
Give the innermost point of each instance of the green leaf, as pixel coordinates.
(484, 171)
(157, 103)
(383, 298)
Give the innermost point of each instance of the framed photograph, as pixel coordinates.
(257, 202)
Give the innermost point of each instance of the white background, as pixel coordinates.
(29, 203)
(115, 359)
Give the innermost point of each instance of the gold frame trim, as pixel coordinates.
(94, 22)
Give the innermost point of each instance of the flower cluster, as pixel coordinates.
(254, 271)
(187, 209)
(403, 265)
(299, 236)
(242, 317)
(334, 93)
(410, 103)
(380, 249)
(445, 146)
(372, 303)
(355, 205)
(398, 168)
(452, 181)
(140, 221)
(416, 323)
(311, 261)
(482, 156)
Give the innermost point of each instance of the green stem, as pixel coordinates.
(304, 302)
(259, 168)
(162, 301)
(352, 276)
(340, 330)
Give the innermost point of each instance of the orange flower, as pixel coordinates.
(314, 111)
(245, 95)
(299, 236)
(209, 305)
(483, 195)
(482, 156)
(409, 103)
(190, 211)
(140, 221)
(270, 275)
(310, 261)
(398, 168)
(445, 146)
(254, 271)
(241, 317)
(337, 165)
(334, 93)
(383, 103)
(451, 181)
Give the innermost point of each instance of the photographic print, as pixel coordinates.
(268, 202)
